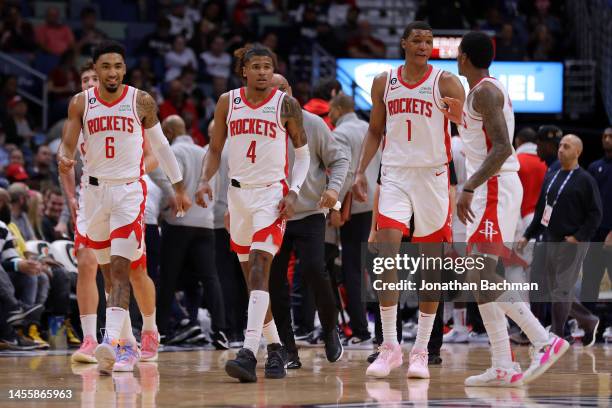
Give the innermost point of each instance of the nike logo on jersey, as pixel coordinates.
(240, 107)
(439, 174)
(393, 88)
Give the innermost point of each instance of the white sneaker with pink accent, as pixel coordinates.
(418, 360)
(497, 377)
(390, 357)
(542, 358)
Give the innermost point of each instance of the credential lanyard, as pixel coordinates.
(560, 188)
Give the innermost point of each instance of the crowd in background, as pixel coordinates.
(186, 63)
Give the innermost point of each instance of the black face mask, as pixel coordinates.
(5, 214)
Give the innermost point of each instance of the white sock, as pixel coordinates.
(425, 325)
(258, 306)
(115, 317)
(148, 322)
(459, 319)
(516, 309)
(270, 332)
(126, 331)
(88, 325)
(495, 324)
(388, 319)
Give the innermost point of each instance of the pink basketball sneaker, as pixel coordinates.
(85, 353)
(544, 357)
(390, 357)
(418, 364)
(149, 342)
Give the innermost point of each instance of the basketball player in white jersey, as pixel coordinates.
(490, 206)
(408, 106)
(87, 291)
(115, 119)
(257, 120)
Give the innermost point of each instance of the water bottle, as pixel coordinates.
(57, 333)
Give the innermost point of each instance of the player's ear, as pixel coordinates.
(403, 44)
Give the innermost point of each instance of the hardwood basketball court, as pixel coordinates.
(197, 378)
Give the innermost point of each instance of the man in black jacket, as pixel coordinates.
(568, 212)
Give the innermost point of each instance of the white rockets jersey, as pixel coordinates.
(113, 136)
(417, 132)
(476, 144)
(257, 140)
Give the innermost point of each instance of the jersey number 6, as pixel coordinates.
(110, 147)
(251, 151)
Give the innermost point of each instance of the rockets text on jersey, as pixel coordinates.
(257, 140)
(417, 132)
(476, 143)
(113, 136)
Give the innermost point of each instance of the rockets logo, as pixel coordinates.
(488, 230)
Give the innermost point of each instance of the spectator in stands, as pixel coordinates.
(543, 16)
(547, 142)
(325, 90)
(88, 36)
(54, 204)
(43, 173)
(214, 12)
(446, 14)
(9, 91)
(11, 311)
(270, 40)
(493, 21)
(201, 38)
(178, 58)
(53, 36)
(350, 27)
(17, 127)
(181, 23)
(64, 81)
(507, 46)
(36, 212)
(177, 104)
(364, 44)
(19, 194)
(599, 256)
(15, 171)
(159, 43)
(187, 243)
(308, 24)
(542, 45)
(217, 65)
(18, 34)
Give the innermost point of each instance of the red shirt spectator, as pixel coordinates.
(177, 104)
(531, 173)
(52, 36)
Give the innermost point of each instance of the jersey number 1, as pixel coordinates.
(409, 129)
(110, 147)
(251, 151)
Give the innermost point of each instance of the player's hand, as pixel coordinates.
(571, 239)
(64, 164)
(29, 267)
(226, 221)
(61, 229)
(204, 189)
(360, 188)
(329, 198)
(464, 207)
(73, 206)
(183, 202)
(453, 109)
(287, 204)
(335, 219)
(521, 244)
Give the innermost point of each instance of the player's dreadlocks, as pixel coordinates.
(244, 55)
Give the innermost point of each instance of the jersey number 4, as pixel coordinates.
(409, 129)
(110, 147)
(251, 151)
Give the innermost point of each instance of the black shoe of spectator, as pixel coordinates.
(373, 357)
(17, 342)
(434, 359)
(590, 335)
(17, 316)
(243, 366)
(199, 339)
(219, 340)
(186, 330)
(315, 338)
(293, 360)
(275, 362)
(333, 346)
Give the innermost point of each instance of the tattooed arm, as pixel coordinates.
(489, 102)
(291, 116)
(146, 109)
